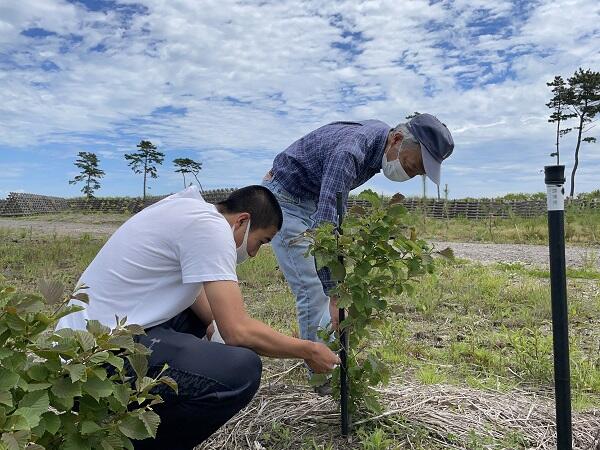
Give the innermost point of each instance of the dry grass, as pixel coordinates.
(453, 417)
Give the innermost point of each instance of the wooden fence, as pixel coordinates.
(20, 204)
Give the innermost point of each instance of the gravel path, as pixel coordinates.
(536, 255)
(484, 252)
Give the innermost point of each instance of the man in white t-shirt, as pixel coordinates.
(171, 268)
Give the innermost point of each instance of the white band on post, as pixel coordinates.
(555, 198)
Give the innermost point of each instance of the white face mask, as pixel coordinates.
(242, 250)
(393, 169)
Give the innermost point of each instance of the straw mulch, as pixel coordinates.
(451, 417)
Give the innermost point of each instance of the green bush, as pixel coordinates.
(70, 389)
(379, 262)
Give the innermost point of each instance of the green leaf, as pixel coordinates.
(115, 361)
(32, 387)
(64, 388)
(143, 383)
(38, 372)
(89, 427)
(96, 328)
(5, 353)
(122, 393)
(169, 382)
(133, 427)
(77, 372)
(8, 379)
(6, 398)
(100, 357)
(135, 329)
(85, 339)
(371, 197)
(51, 421)
(397, 210)
(37, 401)
(338, 271)
(121, 341)
(75, 442)
(16, 440)
(51, 290)
(98, 388)
(151, 421)
(139, 363)
(15, 323)
(318, 379)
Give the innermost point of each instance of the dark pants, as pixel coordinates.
(215, 381)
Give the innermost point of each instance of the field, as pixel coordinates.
(474, 332)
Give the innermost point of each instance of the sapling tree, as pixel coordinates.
(90, 173)
(145, 161)
(187, 165)
(382, 257)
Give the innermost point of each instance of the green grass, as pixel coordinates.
(484, 326)
(581, 228)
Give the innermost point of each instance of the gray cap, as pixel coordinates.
(436, 143)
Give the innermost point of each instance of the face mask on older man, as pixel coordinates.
(393, 169)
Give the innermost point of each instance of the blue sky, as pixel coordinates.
(232, 83)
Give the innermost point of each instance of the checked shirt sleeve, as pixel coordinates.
(338, 175)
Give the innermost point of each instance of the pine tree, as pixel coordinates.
(187, 165)
(583, 99)
(90, 173)
(145, 161)
(560, 110)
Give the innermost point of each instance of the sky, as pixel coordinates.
(232, 83)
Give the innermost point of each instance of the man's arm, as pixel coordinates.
(202, 309)
(239, 329)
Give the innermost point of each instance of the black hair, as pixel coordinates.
(259, 202)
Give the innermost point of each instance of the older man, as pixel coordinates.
(338, 157)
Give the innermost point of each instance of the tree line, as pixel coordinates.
(145, 161)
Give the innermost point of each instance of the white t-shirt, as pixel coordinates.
(152, 268)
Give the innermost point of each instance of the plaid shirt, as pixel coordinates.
(337, 157)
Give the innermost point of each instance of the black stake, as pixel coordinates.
(343, 335)
(555, 178)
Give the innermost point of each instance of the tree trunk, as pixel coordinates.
(581, 117)
(145, 166)
(558, 137)
(199, 184)
(87, 190)
(184, 185)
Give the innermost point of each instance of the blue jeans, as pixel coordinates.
(312, 304)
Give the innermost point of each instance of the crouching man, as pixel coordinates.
(171, 268)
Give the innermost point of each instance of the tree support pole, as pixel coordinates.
(555, 178)
(343, 335)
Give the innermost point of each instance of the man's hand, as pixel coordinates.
(334, 312)
(322, 360)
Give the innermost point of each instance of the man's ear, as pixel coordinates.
(397, 137)
(243, 218)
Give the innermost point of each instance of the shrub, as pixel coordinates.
(70, 389)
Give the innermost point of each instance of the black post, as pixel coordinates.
(555, 178)
(343, 335)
